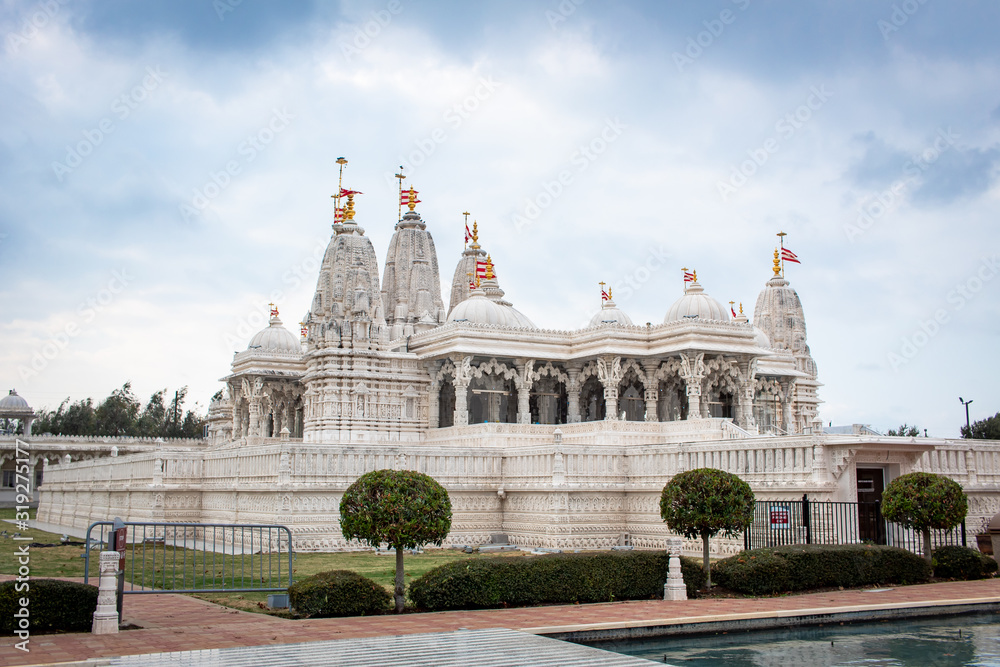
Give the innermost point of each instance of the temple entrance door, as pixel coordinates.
(871, 526)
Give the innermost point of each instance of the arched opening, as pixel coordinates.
(592, 405)
(492, 398)
(548, 401)
(723, 406)
(631, 404)
(672, 404)
(446, 404)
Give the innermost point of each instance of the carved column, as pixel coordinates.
(463, 375)
(609, 372)
(787, 388)
(573, 394)
(692, 372)
(433, 404)
(523, 381)
(106, 615)
(651, 391)
(747, 376)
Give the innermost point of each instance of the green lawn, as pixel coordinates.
(188, 565)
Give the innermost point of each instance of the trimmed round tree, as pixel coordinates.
(923, 500)
(705, 502)
(403, 508)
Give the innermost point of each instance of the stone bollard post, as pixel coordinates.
(106, 616)
(674, 589)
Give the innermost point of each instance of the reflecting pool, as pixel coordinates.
(944, 642)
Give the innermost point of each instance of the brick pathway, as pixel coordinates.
(178, 622)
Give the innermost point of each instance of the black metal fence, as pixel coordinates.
(198, 557)
(780, 522)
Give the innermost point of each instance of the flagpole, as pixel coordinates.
(399, 199)
(340, 184)
(465, 232)
(781, 239)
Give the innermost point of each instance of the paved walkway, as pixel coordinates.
(177, 622)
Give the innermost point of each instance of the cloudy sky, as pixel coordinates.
(166, 170)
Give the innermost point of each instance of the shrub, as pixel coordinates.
(923, 500)
(54, 605)
(553, 579)
(704, 502)
(404, 508)
(955, 562)
(807, 567)
(338, 593)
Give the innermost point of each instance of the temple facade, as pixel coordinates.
(559, 439)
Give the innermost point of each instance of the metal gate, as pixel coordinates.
(199, 557)
(780, 522)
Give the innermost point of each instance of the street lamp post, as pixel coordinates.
(968, 428)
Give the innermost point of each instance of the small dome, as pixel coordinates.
(695, 304)
(13, 402)
(760, 339)
(275, 338)
(480, 309)
(610, 314)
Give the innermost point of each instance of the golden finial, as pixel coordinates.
(489, 268)
(741, 307)
(609, 294)
(412, 201)
(349, 211)
(694, 274)
(475, 234)
(777, 264)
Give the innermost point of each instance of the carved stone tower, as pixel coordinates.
(465, 272)
(779, 314)
(411, 284)
(356, 389)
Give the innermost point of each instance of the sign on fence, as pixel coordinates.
(781, 517)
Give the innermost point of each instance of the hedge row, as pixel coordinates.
(956, 562)
(552, 579)
(53, 605)
(338, 593)
(797, 568)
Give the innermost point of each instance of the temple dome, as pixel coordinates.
(275, 338)
(695, 304)
(610, 314)
(13, 402)
(760, 339)
(480, 309)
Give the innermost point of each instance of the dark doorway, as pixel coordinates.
(871, 526)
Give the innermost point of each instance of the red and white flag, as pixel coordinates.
(404, 197)
(605, 296)
(688, 277)
(789, 256)
(480, 268)
(468, 234)
(732, 310)
(338, 216)
(344, 192)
